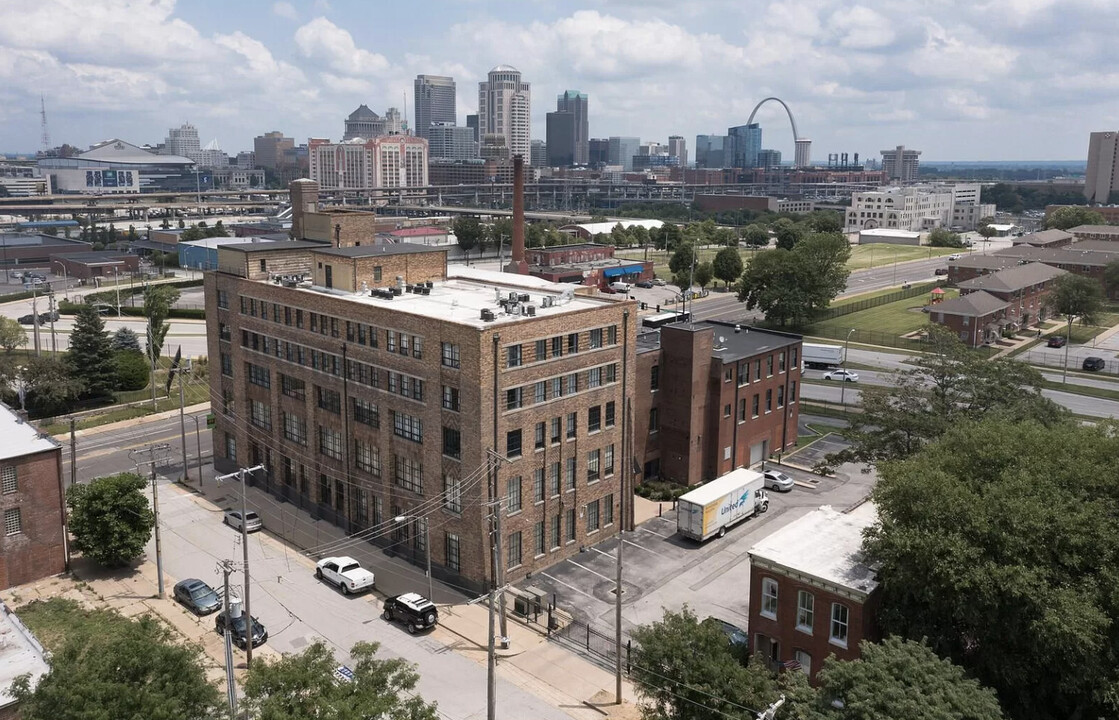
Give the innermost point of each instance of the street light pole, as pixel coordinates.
(843, 384)
(198, 438)
(65, 279)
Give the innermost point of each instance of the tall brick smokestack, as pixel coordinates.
(517, 263)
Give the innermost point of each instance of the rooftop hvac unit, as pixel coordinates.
(513, 295)
(487, 315)
(514, 309)
(410, 288)
(547, 301)
(395, 291)
(524, 298)
(530, 310)
(429, 284)
(427, 290)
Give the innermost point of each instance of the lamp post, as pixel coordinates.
(65, 279)
(427, 551)
(843, 385)
(198, 439)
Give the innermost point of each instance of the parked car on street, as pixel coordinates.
(940, 271)
(736, 636)
(660, 282)
(841, 374)
(414, 610)
(1057, 341)
(27, 320)
(777, 480)
(644, 284)
(1093, 363)
(252, 520)
(197, 596)
(238, 629)
(346, 573)
(954, 256)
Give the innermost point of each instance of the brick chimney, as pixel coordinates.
(304, 199)
(517, 262)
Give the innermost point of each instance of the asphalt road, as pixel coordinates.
(103, 452)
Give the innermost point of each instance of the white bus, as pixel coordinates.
(664, 318)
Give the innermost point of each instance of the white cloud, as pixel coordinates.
(285, 10)
(322, 41)
(860, 27)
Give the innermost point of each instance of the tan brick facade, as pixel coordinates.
(36, 550)
(390, 445)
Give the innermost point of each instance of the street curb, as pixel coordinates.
(498, 652)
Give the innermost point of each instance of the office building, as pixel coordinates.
(915, 208)
(365, 124)
(211, 156)
(598, 152)
(246, 160)
(373, 382)
(472, 123)
(505, 108)
(561, 139)
(434, 100)
(802, 157)
(182, 141)
(576, 103)
(746, 143)
(900, 165)
(269, 149)
(32, 545)
(713, 151)
(1103, 161)
(678, 148)
(390, 161)
(446, 141)
(538, 154)
(622, 150)
(769, 159)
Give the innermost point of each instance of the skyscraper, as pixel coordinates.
(900, 164)
(1103, 157)
(182, 141)
(505, 108)
(746, 143)
(575, 102)
(435, 102)
(472, 123)
(270, 147)
(713, 151)
(598, 151)
(678, 148)
(538, 153)
(448, 141)
(561, 139)
(622, 150)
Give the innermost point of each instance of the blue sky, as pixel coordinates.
(987, 79)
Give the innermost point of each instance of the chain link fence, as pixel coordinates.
(854, 306)
(1056, 359)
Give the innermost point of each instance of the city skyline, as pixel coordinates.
(858, 78)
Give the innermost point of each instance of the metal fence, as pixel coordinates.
(854, 306)
(1056, 359)
(597, 644)
(884, 339)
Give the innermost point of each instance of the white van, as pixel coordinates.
(619, 286)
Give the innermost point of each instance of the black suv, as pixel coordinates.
(1093, 363)
(413, 609)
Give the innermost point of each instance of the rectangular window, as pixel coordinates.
(769, 366)
(592, 517)
(612, 335)
(741, 409)
(594, 461)
(293, 387)
(755, 406)
(805, 661)
(452, 493)
(226, 364)
(541, 350)
(728, 374)
(556, 430)
(806, 603)
(450, 355)
(538, 436)
(781, 362)
(757, 370)
(594, 418)
(769, 400)
(231, 447)
(612, 373)
(557, 531)
(407, 427)
(258, 375)
(454, 561)
(839, 617)
(417, 347)
(391, 345)
(596, 338)
(450, 398)
(557, 346)
(513, 498)
(538, 538)
(608, 460)
(513, 398)
(610, 414)
(366, 412)
(726, 410)
(573, 342)
(570, 523)
(452, 442)
(780, 396)
(513, 444)
(554, 479)
(540, 391)
(408, 474)
(367, 457)
(13, 521)
(655, 377)
(654, 420)
(572, 425)
(793, 391)
(570, 473)
(260, 414)
(329, 400)
(8, 483)
(223, 299)
(295, 428)
(572, 383)
(594, 377)
(743, 373)
(538, 485)
(769, 598)
(330, 442)
(514, 549)
(513, 356)
(608, 510)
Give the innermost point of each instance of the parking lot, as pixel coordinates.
(665, 571)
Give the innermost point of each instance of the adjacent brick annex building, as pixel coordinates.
(32, 541)
(373, 382)
(711, 397)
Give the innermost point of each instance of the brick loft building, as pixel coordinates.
(988, 304)
(811, 594)
(711, 397)
(32, 544)
(372, 382)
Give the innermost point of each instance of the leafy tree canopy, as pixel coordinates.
(1070, 216)
(704, 273)
(787, 233)
(682, 259)
(158, 300)
(12, 334)
(1075, 296)
(50, 386)
(90, 357)
(755, 236)
(727, 265)
(110, 518)
(1111, 277)
(792, 286)
(303, 686)
(126, 339)
(939, 237)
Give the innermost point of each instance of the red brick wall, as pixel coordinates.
(37, 551)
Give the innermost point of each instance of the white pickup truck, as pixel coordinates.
(346, 573)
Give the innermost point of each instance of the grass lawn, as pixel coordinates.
(55, 620)
(896, 318)
(877, 255)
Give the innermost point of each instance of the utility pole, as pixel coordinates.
(230, 681)
(241, 475)
(50, 315)
(182, 420)
(152, 357)
(621, 518)
(156, 454)
(35, 317)
(73, 452)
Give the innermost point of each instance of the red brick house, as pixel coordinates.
(977, 318)
(711, 397)
(1045, 238)
(811, 593)
(32, 543)
(973, 266)
(1023, 287)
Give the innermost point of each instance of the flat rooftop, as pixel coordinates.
(18, 438)
(467, 291)
(826, 544)
(20, 654)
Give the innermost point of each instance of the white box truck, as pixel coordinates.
(822, 356)
(712, 508)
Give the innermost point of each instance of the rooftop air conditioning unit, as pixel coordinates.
(524, 298)
(530, 310)
(487, 315)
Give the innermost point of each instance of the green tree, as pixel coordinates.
(126, 339)
(939, 237)
(50, 387)
(901, 680)
(755, 236)
(787, 233)
(468, 232)
(704, 273)
(90, 357)
(792, 286)
(1003, 553)
(158, 300)
(1071, 216)
(132, 370)
(1111, 278)
(684, 669)
(303, 685)
(727, 265)
(12, 334)
(110, 518)
(825, 221)
(1075, 296)
(987, 232)
(946, 385)
(119, 669)
(683, 258)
